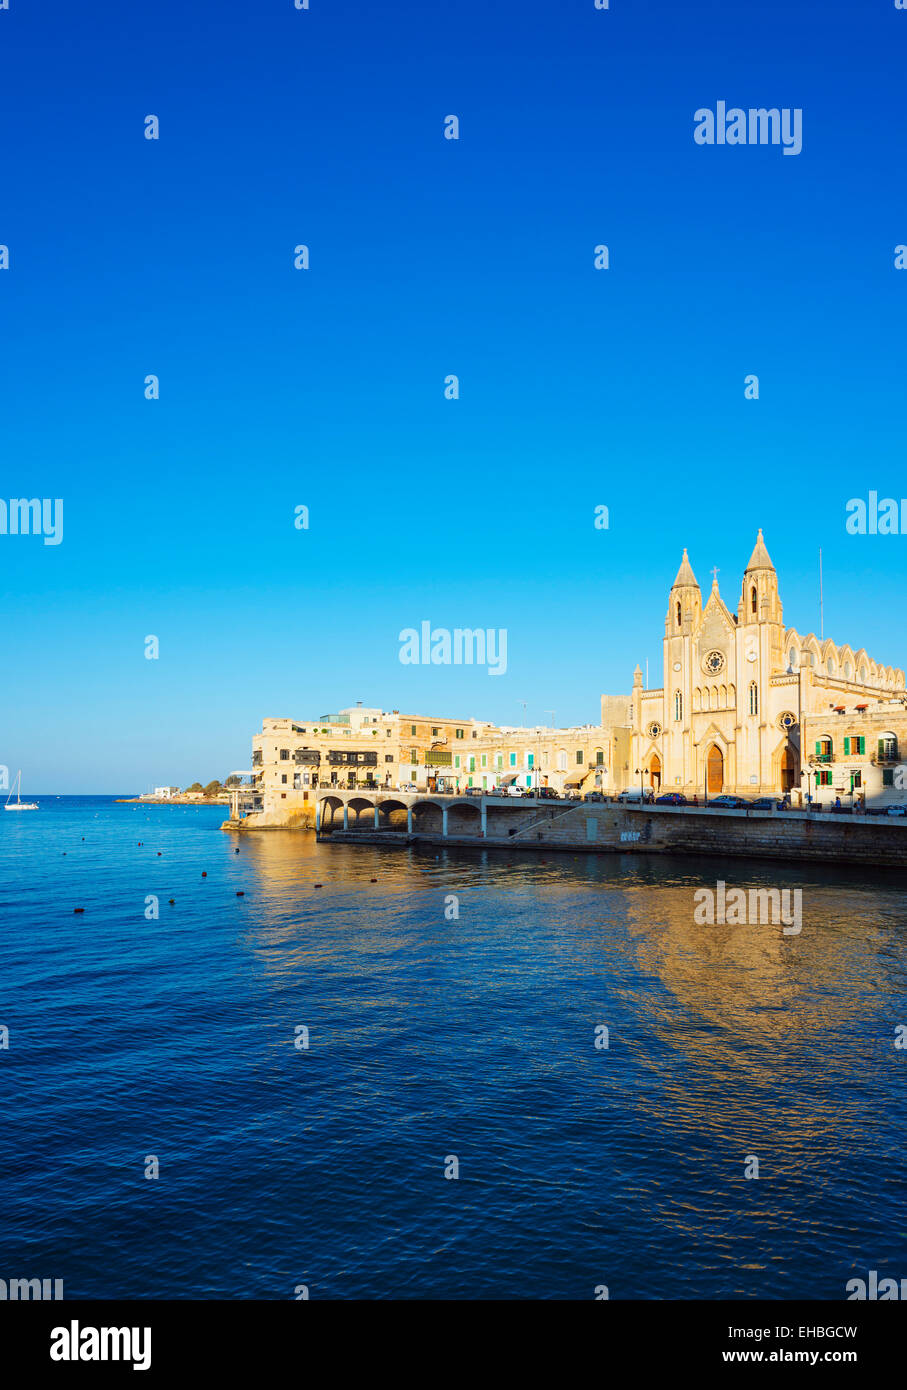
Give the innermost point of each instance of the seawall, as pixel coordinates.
(597, 829)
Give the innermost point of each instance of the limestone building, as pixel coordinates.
(739, 690)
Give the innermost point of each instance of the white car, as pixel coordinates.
(896, 811)
(511, 790)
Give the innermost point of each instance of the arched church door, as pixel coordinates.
(789, 777)
(715, 771)
(655, 771)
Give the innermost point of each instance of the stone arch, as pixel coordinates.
(427, 817)
(392, 815)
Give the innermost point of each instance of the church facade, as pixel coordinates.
(739, 691)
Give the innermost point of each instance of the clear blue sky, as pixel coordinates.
(428, 257)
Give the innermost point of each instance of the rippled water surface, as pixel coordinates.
(431, 1037)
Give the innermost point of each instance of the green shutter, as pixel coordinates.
(818, 748)
(862, 743)
(846, 747)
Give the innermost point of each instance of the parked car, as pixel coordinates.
(637, 794)
(671, 799)
(896, 811)
(408, 787)
(767, 803)
(512, 790)
(549, 794)
(590, 796)
(473, 791)
(728, 802)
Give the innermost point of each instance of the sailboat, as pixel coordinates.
(19, 804)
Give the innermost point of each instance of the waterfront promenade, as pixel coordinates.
(393, 817)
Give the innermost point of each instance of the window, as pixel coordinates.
(459, 733)
(513, 760)
(562, 761)
(388, 757)
(754, 603)
(284, 754)
(678, 705)
(887, 776)
(888, 748)
(434, 733)
(413, 756)
(823, 779)
(754, 698)
(412, 730)
(856, 779)
(579, 756)
(456, 760)
(484, 759)
(854, 745)
(678, 612)
(824, 749)
(284, 779)
(599, 756)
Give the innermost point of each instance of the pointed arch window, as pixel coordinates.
(753, 601)
(678, 705)
(754, 698)
(678, 612)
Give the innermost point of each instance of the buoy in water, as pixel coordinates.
(319, 885)
(78, 909)
(171, 901)
(204, 873)
(240, 893)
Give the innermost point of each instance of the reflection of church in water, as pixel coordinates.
(737, 689)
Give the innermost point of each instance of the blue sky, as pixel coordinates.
(324, 388)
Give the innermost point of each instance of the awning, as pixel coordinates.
(861, 707)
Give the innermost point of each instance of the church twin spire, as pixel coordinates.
(759, 592)
(759, 560)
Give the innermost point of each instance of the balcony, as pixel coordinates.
(821, 757)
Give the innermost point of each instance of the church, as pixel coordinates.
(739, 689)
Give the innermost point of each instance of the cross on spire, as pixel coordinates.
(715, 573)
